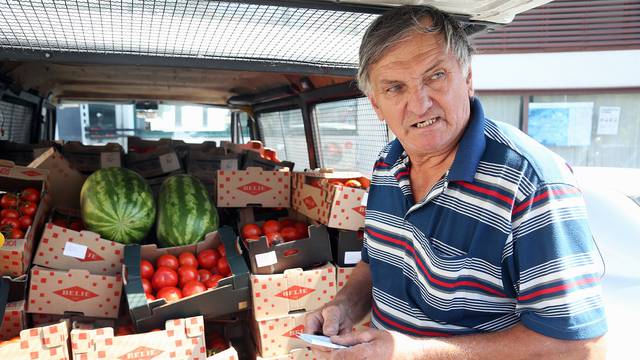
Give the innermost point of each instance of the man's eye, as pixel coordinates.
(394, 88)
(438, 75)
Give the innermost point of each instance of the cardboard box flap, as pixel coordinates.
(8, 169)
(65, 182)
(294, 279)
(190, 327)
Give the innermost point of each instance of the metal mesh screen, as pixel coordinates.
(15, 122)
(348, 135)
(284, 131)
(185, 28)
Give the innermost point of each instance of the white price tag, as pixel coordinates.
(320, 340)
(109, 159)
(352, 257)
(75, 250)
(229, 164)
(169, 162)
(365, 197)
(266, 259)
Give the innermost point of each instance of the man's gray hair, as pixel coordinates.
(398, 24)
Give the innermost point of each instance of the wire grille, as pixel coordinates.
(284, 131)
(15, 121)
(185, 28)
(348, 134)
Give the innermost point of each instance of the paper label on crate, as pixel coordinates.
(109, 159)
(352, 257)
(365, 197)
(75, 250)
(266, 259)
(229, 164)
(169, 162)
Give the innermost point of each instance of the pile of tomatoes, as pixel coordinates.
(18, 211)
(276, 231)
(68, 221)
(353, 183)
(173, 277)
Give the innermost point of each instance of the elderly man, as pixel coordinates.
(476, 237)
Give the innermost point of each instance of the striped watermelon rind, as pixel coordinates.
(117, 203)
(185, 211)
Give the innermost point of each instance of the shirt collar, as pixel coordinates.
(470, 150)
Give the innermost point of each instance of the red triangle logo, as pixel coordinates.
(309, 202)
(90, 255)
(295, 292)
(360, 209)
(141, 353)
(293, 333)
(75, 293)
(254, 188)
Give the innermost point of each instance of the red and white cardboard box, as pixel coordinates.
(276, 337)
(336, 206)
(15, 254)
(74, 291)
(181, 339)
(342, 276)
(49, 342)
(296, 354)
(14, 320)
(228, 354)
(65, 249)
(253, 187)
(277, 295)
(65, 182)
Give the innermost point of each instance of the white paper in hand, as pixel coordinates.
(320, 340)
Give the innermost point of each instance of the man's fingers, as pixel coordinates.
(332, 318)
(354, 338)
(313, 322)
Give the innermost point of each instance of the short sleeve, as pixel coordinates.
(553, 267)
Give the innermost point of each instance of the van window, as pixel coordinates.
(284, 132)
(348, 135)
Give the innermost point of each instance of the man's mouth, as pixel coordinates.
(427, 122)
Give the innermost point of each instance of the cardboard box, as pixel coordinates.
(22, 154)
(346, 246)
(228, 354)
(89, 158)
(181, 339)
(277, 337)
(232, 294)
(65, 182)
(279, 295)
(74, 291)
(163, 160)
(253, 159)
(296, 354)
(65, 249)
(14, 320)
(253, 187)
(15, 254)
(49, 342)
(336, 206)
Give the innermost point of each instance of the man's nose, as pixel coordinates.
(419, 100)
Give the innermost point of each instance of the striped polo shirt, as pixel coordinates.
(501, 238)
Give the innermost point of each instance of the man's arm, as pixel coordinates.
(349, 306)
(517, 342)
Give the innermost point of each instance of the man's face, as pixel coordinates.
(422, 93)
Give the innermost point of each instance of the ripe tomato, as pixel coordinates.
(164, 277)
(222, 250)
(25, 221)
(146, 269)
(335, 182)
(9, 213)
(302, 230)
(251, 231)
(28, 208)
(193, 287)
(150, 297)
(204, 275)
(286, 223)
(169, 293)
(15, 233)
(60, 222)
(187, 259)
(213, 281)
(10, 222)
(208, 258)
(353, 183)
(274, 238)
(271, 226)
(289, 233)
(123, 330)
(223, 267)
(146, 286)
(30, 194)
(169, 261)
(76, 225)
(8, 201)
(186, 274)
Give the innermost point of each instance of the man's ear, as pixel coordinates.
(469, 81)
(375, 106)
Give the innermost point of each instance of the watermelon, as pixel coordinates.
(185, 211)
(117, 203)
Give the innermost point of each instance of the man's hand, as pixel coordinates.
(372, 344)
(332, 319)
